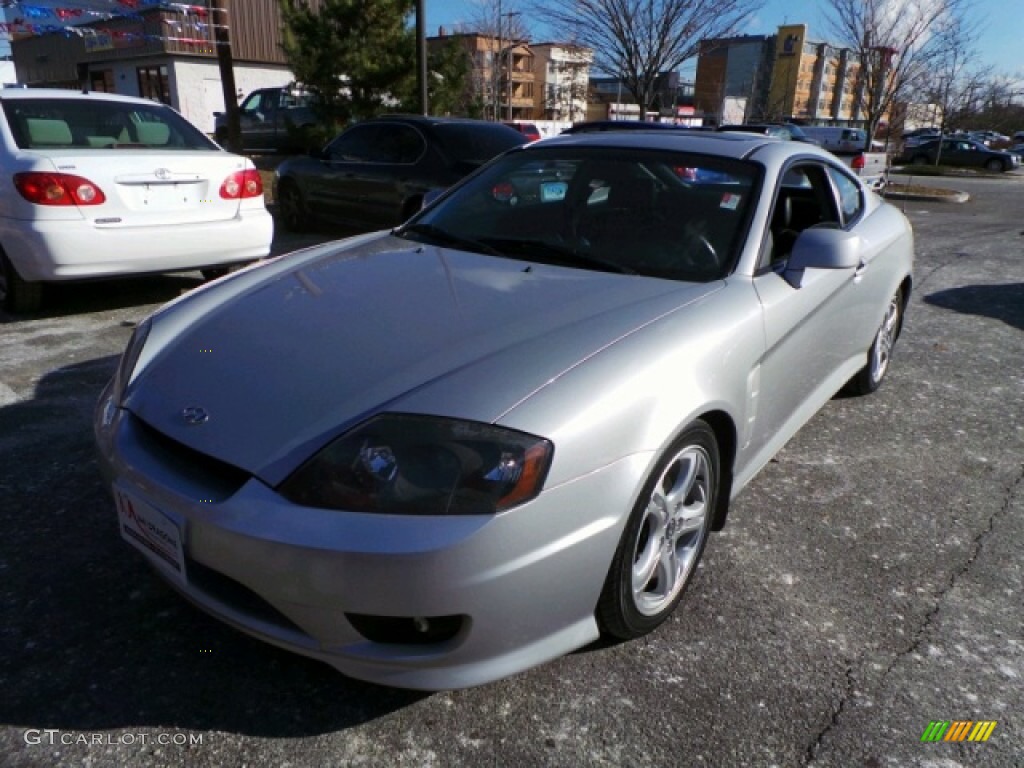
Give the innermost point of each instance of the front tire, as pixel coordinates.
(18, 296)
(880, 354)
(664, 537)
(995, 165)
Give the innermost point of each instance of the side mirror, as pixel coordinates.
(822, 247)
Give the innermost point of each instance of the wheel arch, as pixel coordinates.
(724, 427)
(905, 287)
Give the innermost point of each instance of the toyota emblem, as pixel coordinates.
(162, 173)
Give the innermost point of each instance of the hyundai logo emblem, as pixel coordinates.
(162, 173)
(194, 415)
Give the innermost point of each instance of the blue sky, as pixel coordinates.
(998, 47)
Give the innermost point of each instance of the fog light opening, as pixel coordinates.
(411, 630)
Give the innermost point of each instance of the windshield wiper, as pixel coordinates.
(560, 253)
(443, 237)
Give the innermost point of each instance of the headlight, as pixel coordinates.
(423, 465)
(126, 367)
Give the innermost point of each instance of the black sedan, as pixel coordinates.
(375, 174)
(961, 153)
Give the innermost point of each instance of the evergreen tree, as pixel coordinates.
(356, 55)
(359, 57)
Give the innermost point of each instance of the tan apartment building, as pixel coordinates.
(785, 76)
(501, 73)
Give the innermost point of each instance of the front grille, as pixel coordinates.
(222, 479)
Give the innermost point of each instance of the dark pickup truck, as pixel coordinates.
(271, 120)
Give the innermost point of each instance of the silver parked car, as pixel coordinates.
(442, 454)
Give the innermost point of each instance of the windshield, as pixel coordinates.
(654, 213)
(100, 124)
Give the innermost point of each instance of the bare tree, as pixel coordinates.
(505, 23)
(954, 79)
(895, 43)
(637, 40)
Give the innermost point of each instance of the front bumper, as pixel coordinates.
(524, 584)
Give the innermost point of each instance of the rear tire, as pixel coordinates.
(664, 537)
(291, 207)
(18, 296)
(212, 273)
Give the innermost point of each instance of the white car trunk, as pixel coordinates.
(144, 187)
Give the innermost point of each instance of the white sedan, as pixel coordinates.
(446, 453)
(100, 185)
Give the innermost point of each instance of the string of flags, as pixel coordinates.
(30, 19)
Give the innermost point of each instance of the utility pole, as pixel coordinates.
(221, 25)
(421, 54)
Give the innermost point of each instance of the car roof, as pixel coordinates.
(429, 120)
(734, 145)
(11, 94)
(622, 125)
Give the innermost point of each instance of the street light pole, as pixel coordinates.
(496, 71)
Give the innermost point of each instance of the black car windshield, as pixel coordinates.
(100, 124)
(636, 212)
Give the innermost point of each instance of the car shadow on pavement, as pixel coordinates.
(1000, 302)
(79, 298)
(91, 639)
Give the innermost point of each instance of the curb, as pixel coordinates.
(952, 197)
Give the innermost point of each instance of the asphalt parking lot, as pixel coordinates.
(870, 580)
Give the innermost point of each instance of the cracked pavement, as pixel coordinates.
(869, 581)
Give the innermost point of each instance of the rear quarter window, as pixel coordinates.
(476, 144)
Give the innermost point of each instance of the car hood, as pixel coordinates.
(324, 341)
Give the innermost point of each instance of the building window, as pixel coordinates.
(153, 83)
(102, 81)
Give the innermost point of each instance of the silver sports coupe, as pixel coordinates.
(439, 455)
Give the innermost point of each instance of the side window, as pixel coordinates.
(850, 202)
(378, 143)
(251, 104)
(803, 199)
(356, 145)
(401, 144)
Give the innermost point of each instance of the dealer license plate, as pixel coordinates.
(151, 532)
